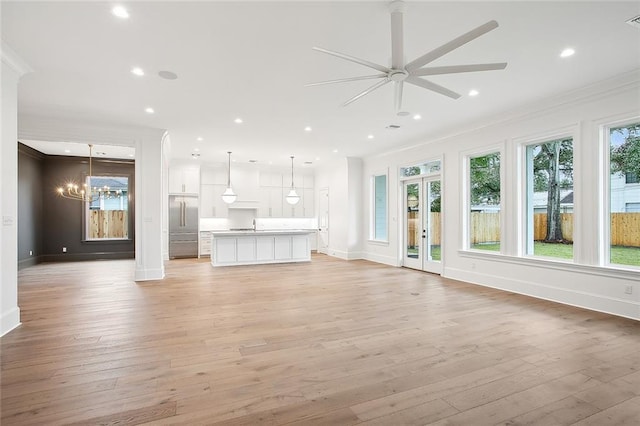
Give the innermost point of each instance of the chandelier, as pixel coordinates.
(86, 192)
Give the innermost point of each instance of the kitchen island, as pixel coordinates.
(229, 248)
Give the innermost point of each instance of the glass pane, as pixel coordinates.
(435, 200)
(421, 169)
(107, 213)
(380, 208)
(484, 223)
(414, 223)
(625, 195)
(550, 199)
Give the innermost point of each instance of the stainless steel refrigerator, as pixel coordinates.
(183, 226)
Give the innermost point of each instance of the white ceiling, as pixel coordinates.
(252, 60)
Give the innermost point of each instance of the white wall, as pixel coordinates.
(343, 178)
(583, 284)
(12, 69)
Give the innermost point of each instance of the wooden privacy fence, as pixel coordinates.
(485, 228)
(108, 224)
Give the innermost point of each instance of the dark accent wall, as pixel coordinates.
(60, 222)
(30, 206)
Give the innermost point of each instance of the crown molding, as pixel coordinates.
(13, 60)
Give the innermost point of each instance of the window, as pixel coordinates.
(624, 199)
(379, 197)
(484, 202)
(425, 168)
(107, 214)
(550, 198)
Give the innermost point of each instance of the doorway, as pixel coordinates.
(323, 221)
(423, 224)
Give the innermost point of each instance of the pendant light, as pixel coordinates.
(292, 198)
(229, 196)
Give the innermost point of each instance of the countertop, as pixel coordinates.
(262, 232)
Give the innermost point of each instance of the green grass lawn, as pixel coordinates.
(619, 255)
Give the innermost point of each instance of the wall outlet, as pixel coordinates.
(30, 252)
(64, 249)
(628, 289)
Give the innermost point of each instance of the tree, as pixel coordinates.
(485, 179)
(625, 158)
(553, 170)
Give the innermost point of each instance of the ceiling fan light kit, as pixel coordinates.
(411, 72)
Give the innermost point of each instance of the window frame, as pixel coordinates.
(87, 208)
(465, 217)
(372, 207)
(604, 248)
(526, 222)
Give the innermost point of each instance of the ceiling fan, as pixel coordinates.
(401, 72)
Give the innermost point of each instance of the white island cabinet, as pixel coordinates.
(258, 247)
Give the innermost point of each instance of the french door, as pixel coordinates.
(422, 224)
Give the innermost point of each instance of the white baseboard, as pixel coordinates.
(595, 302)
(149, 274)
(344, 255)
(386, 260)
(9, 321)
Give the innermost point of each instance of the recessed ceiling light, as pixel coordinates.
(67, 151)
(370, 137)
(567, 52)
(307, 129)
(120, 12)
(238, 120)
(473, 92)
(137, 71)
(167, 75)
(196, 149)
(417, 117)
(199, 139)
(317, 158)
(335, 150)
(149, 110)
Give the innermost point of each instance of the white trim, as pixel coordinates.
(10, 320)
(378, 258)
(553, 263)
(13, 60)
(596, 302)
(465, 182)
(525, 228)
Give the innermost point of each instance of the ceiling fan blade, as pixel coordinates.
(367, 91)
(354, 59)
(453, 44)
(459, 68)
(342, 80)
(432, 86)
(397, 41)
(398, 95)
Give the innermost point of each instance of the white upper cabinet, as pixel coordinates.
(214, 175)
(184, 180)
(211, 204)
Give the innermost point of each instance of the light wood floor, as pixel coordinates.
(327, 342)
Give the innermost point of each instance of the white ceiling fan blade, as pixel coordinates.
(354, 59)
(367, 91)
(398, 95)
(342, 80)
(453, 44)
(432, 86)
(397, 41)
(452, 69)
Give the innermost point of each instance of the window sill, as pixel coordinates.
(557, 264)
